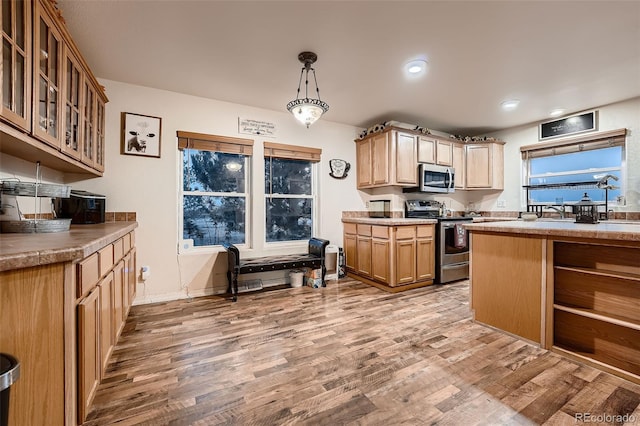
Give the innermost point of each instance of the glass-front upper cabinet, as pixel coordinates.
(47, 75)
(99, 164)
(88, 135)
(72, 141)
(16, 70)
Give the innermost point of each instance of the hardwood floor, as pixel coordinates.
(345, 354)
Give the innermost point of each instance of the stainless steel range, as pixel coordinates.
(452, 240)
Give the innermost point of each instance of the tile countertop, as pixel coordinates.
(621, 231)
(25, 250)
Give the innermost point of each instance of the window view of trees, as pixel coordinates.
(214, 197)
(289, 199)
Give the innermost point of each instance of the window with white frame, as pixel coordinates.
(215, 189)
(290, 192)
(590, 160)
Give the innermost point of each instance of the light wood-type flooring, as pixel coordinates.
(345, 354)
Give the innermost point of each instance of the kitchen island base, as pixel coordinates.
(571, 288)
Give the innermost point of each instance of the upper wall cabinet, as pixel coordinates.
(484, 165)
(434, 150)
(387, 158)
(16, 63)
(53, 107)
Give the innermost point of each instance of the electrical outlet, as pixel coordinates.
(366, 205)
(502, 204)
(621, 200)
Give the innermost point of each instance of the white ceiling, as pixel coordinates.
(548, 54)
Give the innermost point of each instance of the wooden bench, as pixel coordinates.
(314, 258)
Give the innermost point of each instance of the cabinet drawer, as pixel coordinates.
(364, 230)
(350, 228)
(88, 274)
(118, 250)
(380, 232)
(106, 259)
(424, 231)
(405, 232)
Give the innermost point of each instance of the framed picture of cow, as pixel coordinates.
(141, 135)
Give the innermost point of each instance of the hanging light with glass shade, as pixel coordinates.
(307, 110)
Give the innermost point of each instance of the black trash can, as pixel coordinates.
(9, 373)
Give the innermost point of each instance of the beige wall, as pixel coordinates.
(150, 186)
(610, 117)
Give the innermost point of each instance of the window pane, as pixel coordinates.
(288, 219)
(213, 171)
(283, 176)
(584, 160)
(213, 220)
(7, 76)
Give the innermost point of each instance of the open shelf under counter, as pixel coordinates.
(597, 315)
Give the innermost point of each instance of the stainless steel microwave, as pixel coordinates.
(435, 178)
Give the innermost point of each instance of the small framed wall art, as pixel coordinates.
(141, 135)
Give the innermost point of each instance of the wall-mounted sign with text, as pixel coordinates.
(256, 127)
(569, 125)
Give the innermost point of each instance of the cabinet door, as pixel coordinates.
(443, 153)
(478, 166)
(364, 256)
(47, 74)
(425, 259)
(117, 319)
(99, 163)
(363, 163)
(380, 160)
(133, 279)
(88, 351)
(72, 89)
(426, 150)
(125, 287)
(457, 161)
(350, 251)
(88, 121)
(380, 257)
(405, 261)
(406, 166)
(107, 337)
(15, 89)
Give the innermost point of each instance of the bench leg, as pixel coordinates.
(232, 278)
(324, 272)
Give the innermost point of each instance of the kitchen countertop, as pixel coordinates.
(25, 250)
(393, 221)
(622, 231)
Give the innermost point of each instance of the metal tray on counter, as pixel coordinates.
(30, 189)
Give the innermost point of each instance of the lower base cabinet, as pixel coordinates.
(101, 314)
(390, 255)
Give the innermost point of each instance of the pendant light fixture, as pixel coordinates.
(307, 110)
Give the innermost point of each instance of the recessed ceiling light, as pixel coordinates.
(556, 112)
(416, 66)
(510, 104)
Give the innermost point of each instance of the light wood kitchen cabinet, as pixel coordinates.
(380, 254)
(387, 158)
(48, 92)
(108, 276)
(47, 73)
(363, 250)
(434, 150)
(107, 337)
(89, 365)
(458, 163)
(350, 241)
(391, 256)
(16, 71)
(484, 165)
(72, 145)
(425, 253)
